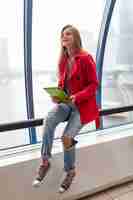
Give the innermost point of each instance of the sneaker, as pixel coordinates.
(67, 181)
(43, 169)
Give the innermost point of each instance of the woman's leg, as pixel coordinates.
(71, 130)
(60, 113)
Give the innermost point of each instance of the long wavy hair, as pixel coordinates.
(77, 41)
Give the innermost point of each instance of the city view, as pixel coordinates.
(117, 67)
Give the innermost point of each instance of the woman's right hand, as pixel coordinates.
(55, 99)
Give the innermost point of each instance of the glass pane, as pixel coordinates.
(117, 83)
(12, 84)
(48, 20)
(14, 138)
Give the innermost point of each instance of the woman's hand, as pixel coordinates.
(73, 99)
(56, 99)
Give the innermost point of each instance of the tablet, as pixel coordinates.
(59, 93)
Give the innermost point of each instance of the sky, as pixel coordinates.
(48, 19)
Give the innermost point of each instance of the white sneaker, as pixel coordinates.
(42, 172)
(36, 183)
(61, 190)
(67, 181)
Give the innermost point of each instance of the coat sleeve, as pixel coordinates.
(89, 71)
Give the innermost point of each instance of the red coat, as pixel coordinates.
(83, 84)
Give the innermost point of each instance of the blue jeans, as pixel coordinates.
(61, 113)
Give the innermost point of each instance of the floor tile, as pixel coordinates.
(126, 196)
(130, 185)
(99, 196)
(118, 191)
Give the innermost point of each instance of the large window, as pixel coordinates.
(12, 84)
(48, 20)
(117, 83)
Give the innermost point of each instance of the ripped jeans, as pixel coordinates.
(61, 113)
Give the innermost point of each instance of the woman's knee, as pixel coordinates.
(51, 118)
(57, 114)
(68, 141)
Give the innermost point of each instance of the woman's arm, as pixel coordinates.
(92, 85)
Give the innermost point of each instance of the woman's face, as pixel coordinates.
(67, 39)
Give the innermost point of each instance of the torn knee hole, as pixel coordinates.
(68, 142)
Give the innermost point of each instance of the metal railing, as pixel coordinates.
(39, 122)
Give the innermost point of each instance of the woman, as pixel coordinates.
(77, 77)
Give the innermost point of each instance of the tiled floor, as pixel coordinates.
(123, 192)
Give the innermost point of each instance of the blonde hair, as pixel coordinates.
(77, 41)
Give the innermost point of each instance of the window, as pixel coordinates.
(117, 84)
(12, 84)
(48, 20)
